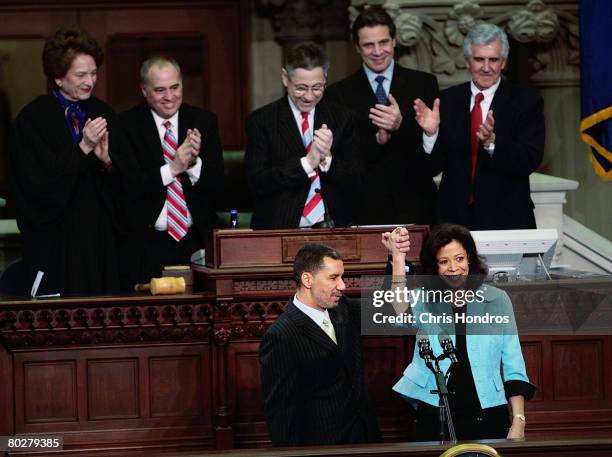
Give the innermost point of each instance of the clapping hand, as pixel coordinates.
(428, 119)
(93, 131)
(321, 146)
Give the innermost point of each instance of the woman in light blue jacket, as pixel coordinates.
(490, 371)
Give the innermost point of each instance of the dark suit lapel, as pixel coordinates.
(398, 85)
(322, 115)
(337, 319)
(185, 121)
(363, 90)
(288, 129)
(463, 122)
(150, 135)
(500, 99)
(309, 329)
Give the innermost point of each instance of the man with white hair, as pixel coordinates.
(490, 138)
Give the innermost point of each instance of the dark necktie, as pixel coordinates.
(381, 95)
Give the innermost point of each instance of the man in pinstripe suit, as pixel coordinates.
(300, 143)
(311, 361)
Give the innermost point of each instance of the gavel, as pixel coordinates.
(163, 286)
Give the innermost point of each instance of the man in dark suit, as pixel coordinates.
(302, 160)
(311, 361)
(486, 150)
(174, 169)
(398, 184)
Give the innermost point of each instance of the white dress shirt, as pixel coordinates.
(316, 315)
(193, 172)
(485, 105)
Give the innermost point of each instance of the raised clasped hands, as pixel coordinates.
(427, 118)
(187, 153)
(322, 141)
(397, 242)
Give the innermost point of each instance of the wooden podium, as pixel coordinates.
(243, 263)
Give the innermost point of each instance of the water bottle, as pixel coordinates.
(234, 218)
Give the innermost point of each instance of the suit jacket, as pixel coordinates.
(145, 250)
(314, 390)
(275, 174)
(398, 185)
(502, 198)
(142, 157)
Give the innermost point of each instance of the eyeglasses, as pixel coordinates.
(302, 89)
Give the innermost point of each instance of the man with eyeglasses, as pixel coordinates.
(398, 185)
(302, 158)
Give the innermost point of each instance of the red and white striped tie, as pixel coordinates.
(176, 205)
(314, 210)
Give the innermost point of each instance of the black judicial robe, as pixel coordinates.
(67, 208)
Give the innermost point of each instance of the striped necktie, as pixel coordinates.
(175, 198)
(314, 210)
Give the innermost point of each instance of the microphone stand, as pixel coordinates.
(444, 417)
(327, 221)
(444, 407)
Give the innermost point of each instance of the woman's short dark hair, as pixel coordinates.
(61, 49)
(439, 237)
(371, 17)
(311, 259)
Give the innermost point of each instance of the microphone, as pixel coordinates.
(327, 221)
(424, 347)
(448, 347)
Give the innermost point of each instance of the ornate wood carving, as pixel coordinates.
(58, 326)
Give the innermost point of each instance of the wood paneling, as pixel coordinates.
(49, 391)
(245, 398)
(384, 362)
(577, 370)
(220, 75)
(175, 385)
(112, 389)
(208, 38)
(532, 353)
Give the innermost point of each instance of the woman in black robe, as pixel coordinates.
(64, 183)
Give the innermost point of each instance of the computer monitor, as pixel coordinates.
(517, 254)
